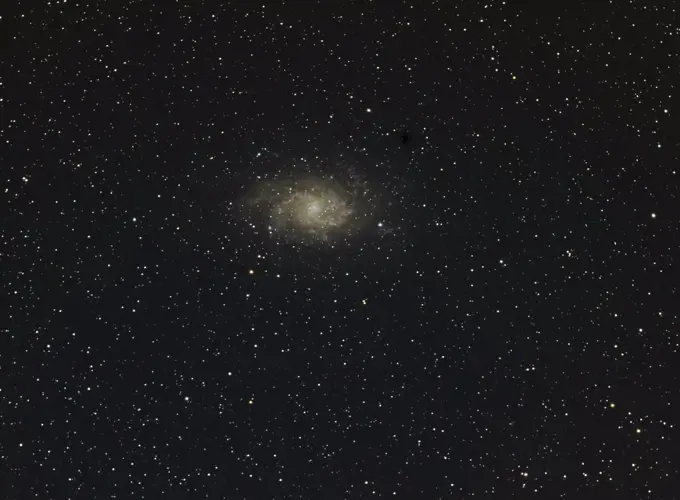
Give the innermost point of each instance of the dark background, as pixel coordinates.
(510, 331)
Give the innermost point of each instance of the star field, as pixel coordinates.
(339, 250)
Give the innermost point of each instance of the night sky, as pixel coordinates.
(338, 250)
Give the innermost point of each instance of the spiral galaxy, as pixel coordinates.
(308, 208)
